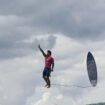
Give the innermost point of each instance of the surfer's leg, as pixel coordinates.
(48, 78)
(45, 79)
(45, 76)
(49, 82)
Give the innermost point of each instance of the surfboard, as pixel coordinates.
(92, 69)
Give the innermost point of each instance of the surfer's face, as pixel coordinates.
(48, 54)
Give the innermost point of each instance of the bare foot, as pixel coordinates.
(48, 86)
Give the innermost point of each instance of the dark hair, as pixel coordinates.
(49, 52)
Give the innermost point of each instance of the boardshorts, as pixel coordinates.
(46, 72)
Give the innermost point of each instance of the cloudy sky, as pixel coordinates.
(69, 28)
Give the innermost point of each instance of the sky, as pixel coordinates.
(70, 29)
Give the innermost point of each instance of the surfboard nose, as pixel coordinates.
(89, 56)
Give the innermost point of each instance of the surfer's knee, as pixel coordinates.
(44, 77)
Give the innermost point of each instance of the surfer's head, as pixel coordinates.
(49, 52)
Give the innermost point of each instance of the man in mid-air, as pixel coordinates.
(49, 66)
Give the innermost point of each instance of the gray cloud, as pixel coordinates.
(11, 48)
(21, 20)
(15, 36)
(77, 19)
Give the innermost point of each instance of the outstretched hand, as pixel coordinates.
(41, 50)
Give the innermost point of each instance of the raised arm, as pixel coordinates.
(42, 51)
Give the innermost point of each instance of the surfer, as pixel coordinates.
(49, 66)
